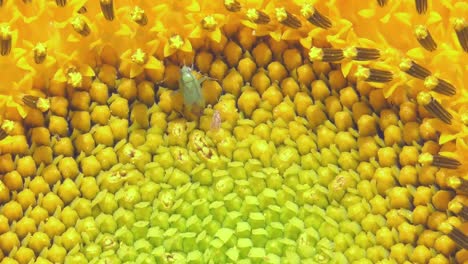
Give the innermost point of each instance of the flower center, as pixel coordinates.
(176, 42)
(139, 57)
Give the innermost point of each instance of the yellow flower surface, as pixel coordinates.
(235, 131)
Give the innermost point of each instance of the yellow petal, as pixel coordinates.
(154, 64)
(346, 68)
(291, 34)
(445, 137)
(367, 13)
(216, 35)
(135, 70)
(23, 64)
(434, 17)
(416, 53)
(87, 71)
(405, 18)
(187, 47)
(196, 33)
(193, 7)
(168, 51)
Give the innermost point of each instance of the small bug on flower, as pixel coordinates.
(191, 90)
(216, 120)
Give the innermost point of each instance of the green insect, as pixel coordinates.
(190, 87)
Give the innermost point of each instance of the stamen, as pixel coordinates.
(424, 38)
(287, 19)
(5, 40)
(434, 107)
(232, 5)
(80, 26)
(82, 10)
(209, 23)
(314, 16)
(421, 6)
(176, 42)
(107, 8)
(438, 161)
(36, 102)
(464, 213)
(373, 75)
(257, 16)
(361, 54)
(40, 53)
(461, 28)
(3, 134)
(27, 1)
(458, 184)
(439, 86)
(325, 54)
(138, 15)
(455, 234)
(139, 57)
(414, 69)
(382, 2)
(61, 2)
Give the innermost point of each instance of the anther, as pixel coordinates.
(5, 40)
(80, 26)
(361, 54)
(382, 2)
(414, 69)
(315, 17)
(138, 15)
(36, 102)
(232, 5)
(434, 107)
(373, 75)
(82, 10)
(421, 6)
(438, 161)
(27, 1)
(40, 53)
(61, 2)
(458, 184)
(107, 8)
(209, 23)
(287, 19)
(139, 57)
(461, 28)
(455, 234)
(424, 38)
(3, 134)
(257, 16)
(439, 86)
(325, 54)
(464, 213)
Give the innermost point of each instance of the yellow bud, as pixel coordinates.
(246, 68)
(285, 111)
(262, 54)
(277, 71)
(204, 59)
(233, 83)
(273, 95)
(218, 69)
(248, 101)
